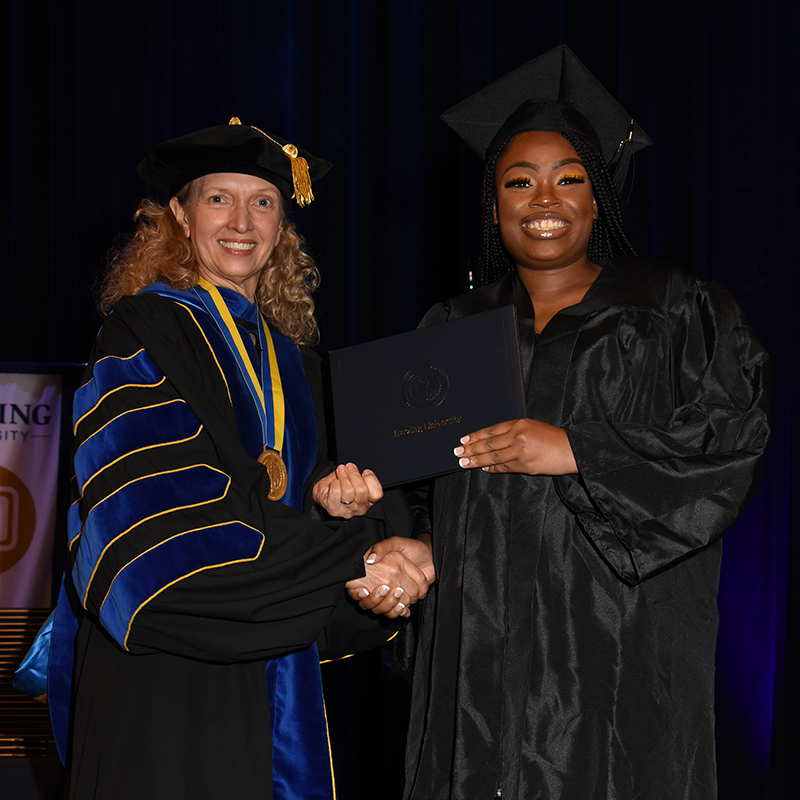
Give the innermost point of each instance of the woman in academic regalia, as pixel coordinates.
(210, 541)
(567, 649)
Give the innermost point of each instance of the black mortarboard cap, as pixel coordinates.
(558, 76)
(234, 148)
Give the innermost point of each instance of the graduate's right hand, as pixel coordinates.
(417, 550)
(391, 584)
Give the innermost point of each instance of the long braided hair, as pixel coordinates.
(608, 238)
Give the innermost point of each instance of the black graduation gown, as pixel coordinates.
(567, 649)
(170, 696)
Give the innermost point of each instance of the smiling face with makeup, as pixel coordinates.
(234, 222)
(545, 206)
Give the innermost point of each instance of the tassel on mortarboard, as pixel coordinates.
(301, 177)
(618, 166)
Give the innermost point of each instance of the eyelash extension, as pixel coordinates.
(576, 178)
(520, 181)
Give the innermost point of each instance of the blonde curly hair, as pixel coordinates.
(159, 251)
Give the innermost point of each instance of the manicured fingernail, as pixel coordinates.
(463, 462)
(383, 591)
(399, 592)
(363, 593)
(464, 439)
(400, 607)
(371, 558)
(458, 451)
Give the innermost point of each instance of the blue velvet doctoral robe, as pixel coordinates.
(194, 603)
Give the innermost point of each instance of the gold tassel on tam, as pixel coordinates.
(301, 176)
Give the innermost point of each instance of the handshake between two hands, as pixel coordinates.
(399, 571)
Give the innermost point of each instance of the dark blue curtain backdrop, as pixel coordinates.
(91, 86)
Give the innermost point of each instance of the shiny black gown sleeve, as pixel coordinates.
(674, 464)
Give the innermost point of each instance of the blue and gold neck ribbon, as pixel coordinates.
(272, 424)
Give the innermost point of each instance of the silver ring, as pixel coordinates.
(346, 502)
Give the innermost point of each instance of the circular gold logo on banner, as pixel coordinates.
(425, 387)
(17, 519)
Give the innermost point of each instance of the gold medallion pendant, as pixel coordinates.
(276, 469)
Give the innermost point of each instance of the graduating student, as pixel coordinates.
(567, 649)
